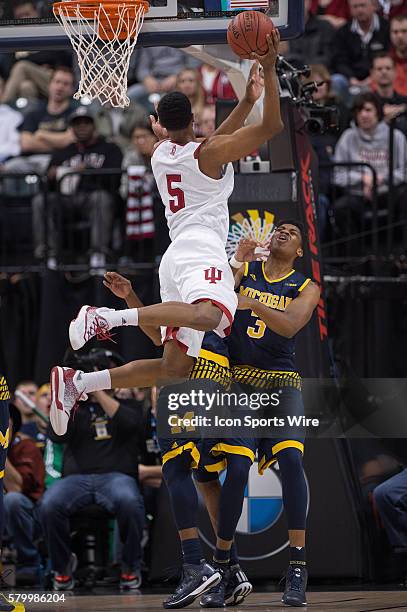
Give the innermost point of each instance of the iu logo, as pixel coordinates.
(213, 275)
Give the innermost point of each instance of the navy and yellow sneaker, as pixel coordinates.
(238, 586)
(10, 606)
(295, 586)
(215, 597)
(196, 580)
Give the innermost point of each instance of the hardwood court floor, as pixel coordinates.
(348, 601)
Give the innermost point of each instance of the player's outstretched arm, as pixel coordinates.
(238, 116)
(295, 316)
(219, 150)
(121, 287)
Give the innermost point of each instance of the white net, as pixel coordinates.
(104, 44)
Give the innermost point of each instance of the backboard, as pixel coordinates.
(176, 23)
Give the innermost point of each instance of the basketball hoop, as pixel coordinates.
(104, 35)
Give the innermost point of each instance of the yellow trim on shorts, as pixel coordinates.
(190, 446)
(272, 372)
(304, 284)
(210, 356)
(216, 467)
(264, 465)
(221, 447)
(264, 379)
(2, 474)
(287, 444)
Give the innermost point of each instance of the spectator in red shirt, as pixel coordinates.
(216, 84)
(398, 37)
(24, 484)
(334, 11)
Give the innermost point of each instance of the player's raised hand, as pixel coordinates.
(118, 284)
(251, 250)
(255, 84)
(268, 60)
(158, 129)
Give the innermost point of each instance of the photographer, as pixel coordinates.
(100, 466)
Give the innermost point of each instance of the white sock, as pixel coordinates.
(119, 318)
(96, 381)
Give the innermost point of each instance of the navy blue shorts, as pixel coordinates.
(214, 455)
(171, 448)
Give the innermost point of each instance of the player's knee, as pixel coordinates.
(238, 468)
(207, 316)
(176, 369)
(290, 458)
(177, 469)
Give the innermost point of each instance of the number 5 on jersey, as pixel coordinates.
(176, 192)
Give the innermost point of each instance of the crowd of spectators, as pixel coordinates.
(108, 459)
(84, 150)
(354, 47)
(357, 50)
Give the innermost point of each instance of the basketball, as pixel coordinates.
(247, 33)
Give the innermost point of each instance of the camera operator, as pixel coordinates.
(100, 466)
(323, 119)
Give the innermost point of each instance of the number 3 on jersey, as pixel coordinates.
(176, 192)
(261, 328)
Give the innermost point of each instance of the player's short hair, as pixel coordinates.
(175, 111)
(296, 223)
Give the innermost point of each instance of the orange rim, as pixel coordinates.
(108, 19)
(87, 7)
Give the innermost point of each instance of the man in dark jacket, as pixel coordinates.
(357, 41)
(90, 196)
(315, 45)
(100, 467)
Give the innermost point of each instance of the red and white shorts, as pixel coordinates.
(195, 268)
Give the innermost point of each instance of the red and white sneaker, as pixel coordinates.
(66, 391)
(89, 322)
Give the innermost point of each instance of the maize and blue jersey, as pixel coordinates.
(260, 356)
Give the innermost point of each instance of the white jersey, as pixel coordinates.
(190, 197)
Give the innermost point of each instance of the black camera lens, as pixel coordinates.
(315, 125)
